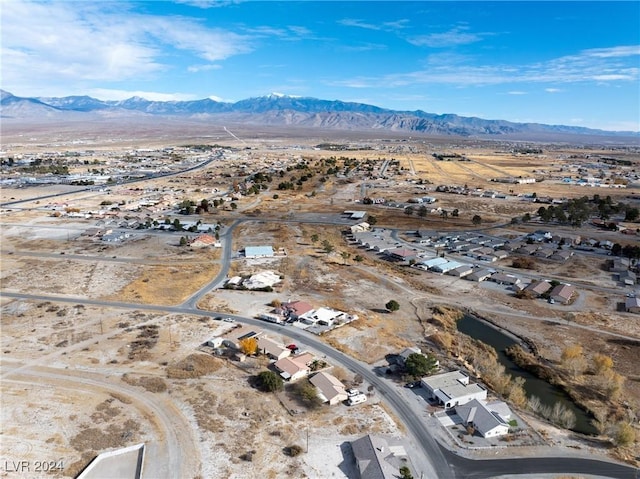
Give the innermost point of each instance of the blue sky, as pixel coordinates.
(572, 63)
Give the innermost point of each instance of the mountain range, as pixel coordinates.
(279, 110)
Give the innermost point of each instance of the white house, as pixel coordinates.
(452, 389)
(323, 316)
(430, 263)
(264, 279)
(330, 389)
(446, 267)
(360, 227)
(488, 419)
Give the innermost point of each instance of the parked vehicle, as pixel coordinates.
(357, 399)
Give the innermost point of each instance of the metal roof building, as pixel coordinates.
(258, 251)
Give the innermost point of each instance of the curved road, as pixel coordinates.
(445, 464)
(175, 430)
(120, 183)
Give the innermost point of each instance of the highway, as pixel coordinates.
(119, 183)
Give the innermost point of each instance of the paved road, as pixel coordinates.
(226, 238)
(119, 183)
(445, 464)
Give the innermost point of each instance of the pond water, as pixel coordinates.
(533, 386)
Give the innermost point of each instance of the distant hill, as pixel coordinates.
(278, 109)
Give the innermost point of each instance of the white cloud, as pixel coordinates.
(461, 71)
(455, 36)
(621, 51)
(300, 31)
(204, 4)
(352, 22)
(552, 90)
(50, 44)
(363, 47)
(384, 26)
(517, 92)
(203, 68)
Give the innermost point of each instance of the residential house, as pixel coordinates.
(513, 246)
(364, 237)
(561, 255)
(295, 309)
(461, 271)
(322, 316)
(562, 293)
(507, 279)
(495, 243)
(360, 227)
(459, 246)
(430, 263)
(232, 338)
(234, 281)
(619, 265)
(264, 279)
(202, 241)
(401, 254)
(528, 249)
(427, 234)
(501, 254)
(632, 305)
(330, 389)
(479, 275)
(258, 252)
(479, 251)
(294, 367)
(567, 239)
(405, 353)
(452, 389)
(543, 253)
(538, 288)
(488, 419)
(446, 267)
(488, 258)
(272, 349)
(627, 277)
(375, 459)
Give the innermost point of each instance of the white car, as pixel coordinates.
(357, 399)
(352, 392)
